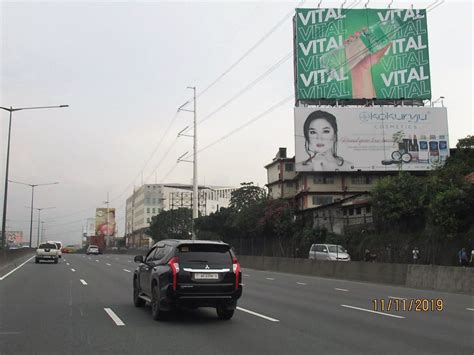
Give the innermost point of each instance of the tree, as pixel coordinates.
(398, 203)
(245, 196)
(172, 224)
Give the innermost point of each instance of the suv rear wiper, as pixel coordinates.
(198, 261)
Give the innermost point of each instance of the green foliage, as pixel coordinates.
(173, 224)
(245, 196)
(398, 202)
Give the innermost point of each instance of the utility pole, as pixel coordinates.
(195, 170)
(42, 231)
(195, 176)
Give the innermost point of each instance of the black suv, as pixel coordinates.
(188, 273)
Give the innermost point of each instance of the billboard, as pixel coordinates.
(14, 238)
(105, 222)
(361, 53)
(370, 138)
(89, 229)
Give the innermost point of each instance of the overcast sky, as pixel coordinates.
(123, 67)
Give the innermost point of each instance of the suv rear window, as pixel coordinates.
(204, 253)
(47, 246)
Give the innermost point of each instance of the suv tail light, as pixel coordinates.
(174, 265)
(236, 269)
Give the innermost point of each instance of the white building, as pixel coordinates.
(150, 199)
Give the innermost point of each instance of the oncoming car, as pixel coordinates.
(47, 251)
(331, 252)
(188, 273)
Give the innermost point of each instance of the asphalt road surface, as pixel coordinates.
(83, 305)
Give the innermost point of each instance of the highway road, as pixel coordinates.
(83, 305)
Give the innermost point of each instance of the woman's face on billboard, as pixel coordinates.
(321, 136)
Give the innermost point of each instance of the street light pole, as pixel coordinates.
(32, 199)
(5, 193)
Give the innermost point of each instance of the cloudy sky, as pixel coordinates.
(124, 68)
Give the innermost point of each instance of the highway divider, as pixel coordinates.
(13, 256)
(429, 277)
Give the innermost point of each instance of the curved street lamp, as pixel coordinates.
(5, 193)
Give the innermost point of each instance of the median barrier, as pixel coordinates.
(14, 256)
(430, 277)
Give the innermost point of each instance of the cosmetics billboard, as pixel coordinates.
(361, 54)
(370, 138)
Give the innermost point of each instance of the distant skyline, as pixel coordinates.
(123, 67)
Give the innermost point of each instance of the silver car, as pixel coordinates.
(331, 252)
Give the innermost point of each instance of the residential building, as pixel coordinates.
(353, 213)
(281, 176)
(150, 199)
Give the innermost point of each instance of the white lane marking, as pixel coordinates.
(396, 298)
(114, 317)
(126, 270)
(470, 309)
(257, 314)
(341, 289)
(269, 278)
(107, 264)
(97, 260)
(243, 284)
(130, 261)
(369, 310)
(301, 283)
(15, 269)
(67, 264)
(64, 259)
(246, 275)
(73, 270)
(83, 282)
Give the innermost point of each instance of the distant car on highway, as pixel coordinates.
(92, 249)
(188, 273)
(332, 252)
(59, 246)
(47, 251)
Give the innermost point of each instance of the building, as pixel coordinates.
(150, 199)
(281, 176)
(346, 215)
(314, 189)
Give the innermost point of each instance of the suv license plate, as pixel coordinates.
(199, 276)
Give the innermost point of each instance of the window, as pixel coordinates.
(148, 210)
(289, 167)
(323, 179)
(362, 180)
(358, 210)
(344, 212)
(153, 210)
(289, 184)
(148, 220)
(147, 200)
(322, 200)
(367, 209)
(351, 211)
(153, 201)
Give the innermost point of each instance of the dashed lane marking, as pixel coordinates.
(83, 282)
(126, 270)
(114, 317)
(371, 311)
(341, 289)
(257, 314)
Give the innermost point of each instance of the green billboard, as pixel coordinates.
(361, 54)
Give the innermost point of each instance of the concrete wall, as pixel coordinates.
(14, 256)
(431, 277)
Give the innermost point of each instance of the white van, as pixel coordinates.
(332, 252)
(59, 245)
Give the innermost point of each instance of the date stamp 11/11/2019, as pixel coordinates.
(408, 305)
